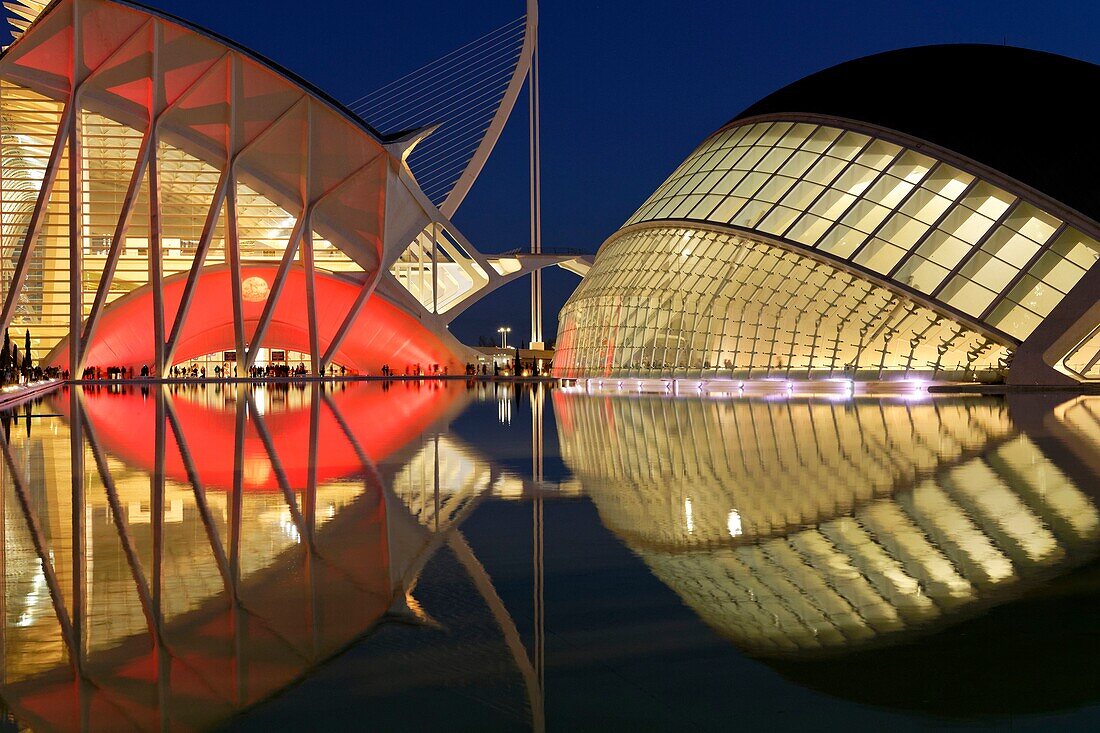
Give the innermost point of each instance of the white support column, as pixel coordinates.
(211, 223)
(356, 308)
(277, 288)
(109, 267)
(76, 240)
(317, 365)
(435, 268)
(156, 269)
(536, 193)
(38, 215)
(233, 243)
(233, 253)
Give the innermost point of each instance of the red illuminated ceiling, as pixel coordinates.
(382, 334)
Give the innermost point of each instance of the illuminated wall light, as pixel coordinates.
(733, 523)
(689, 518)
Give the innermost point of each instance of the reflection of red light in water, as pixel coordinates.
(381, 420)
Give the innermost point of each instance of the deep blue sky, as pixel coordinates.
(628, 88)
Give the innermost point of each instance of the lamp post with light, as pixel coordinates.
(504, 331)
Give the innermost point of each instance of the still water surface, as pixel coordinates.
(444, 556)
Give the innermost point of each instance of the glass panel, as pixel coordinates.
(778, 221)
(1032, 223)
(798, 164)
(776, 131)
(773, 160)
(903, 231)
(965, 224)
(947, 181)
(842, 241)
(802, 195)
(967, 296)
(809, 229)
(822, 138)
(889, 191)
(1036, 296)
(878, 154)
(856, 179)
(920, 274)
(912, 166)
(880, 256)
(797, 135)
(728, 209)
(1010, 246)
(848, 145)
(825, 170)
(986, 270)
(943, 249)
(832, 204)
(865, 216)
(1014, 320)
(774, 189)
(1054, 270)
(925, 206)
(751, 214)
(1077, 248)
(989, 200)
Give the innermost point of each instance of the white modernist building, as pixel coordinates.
(168, 196)
(864, 223)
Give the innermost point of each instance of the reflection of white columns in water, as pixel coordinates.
(504, 404)
(538, 399)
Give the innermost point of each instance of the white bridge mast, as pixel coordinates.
(536, 179)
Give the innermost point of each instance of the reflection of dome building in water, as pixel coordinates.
(834, 526)
(889, 216)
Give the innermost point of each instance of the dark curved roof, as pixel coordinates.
(1021, 112)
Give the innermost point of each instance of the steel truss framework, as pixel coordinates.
(798, 245)
(137, 148)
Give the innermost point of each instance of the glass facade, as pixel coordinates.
(894, 212)
(692, 301)
(927, 228)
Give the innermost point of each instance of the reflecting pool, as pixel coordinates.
(443, 555)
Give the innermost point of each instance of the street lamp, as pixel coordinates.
(504, 331)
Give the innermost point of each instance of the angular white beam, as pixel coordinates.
(38, 215)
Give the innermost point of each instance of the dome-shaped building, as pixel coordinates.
(928, 212)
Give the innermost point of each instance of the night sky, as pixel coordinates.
(628, 88)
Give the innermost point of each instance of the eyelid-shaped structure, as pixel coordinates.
(892, 217)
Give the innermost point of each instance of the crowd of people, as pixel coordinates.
(17, 366)
(417, 370)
